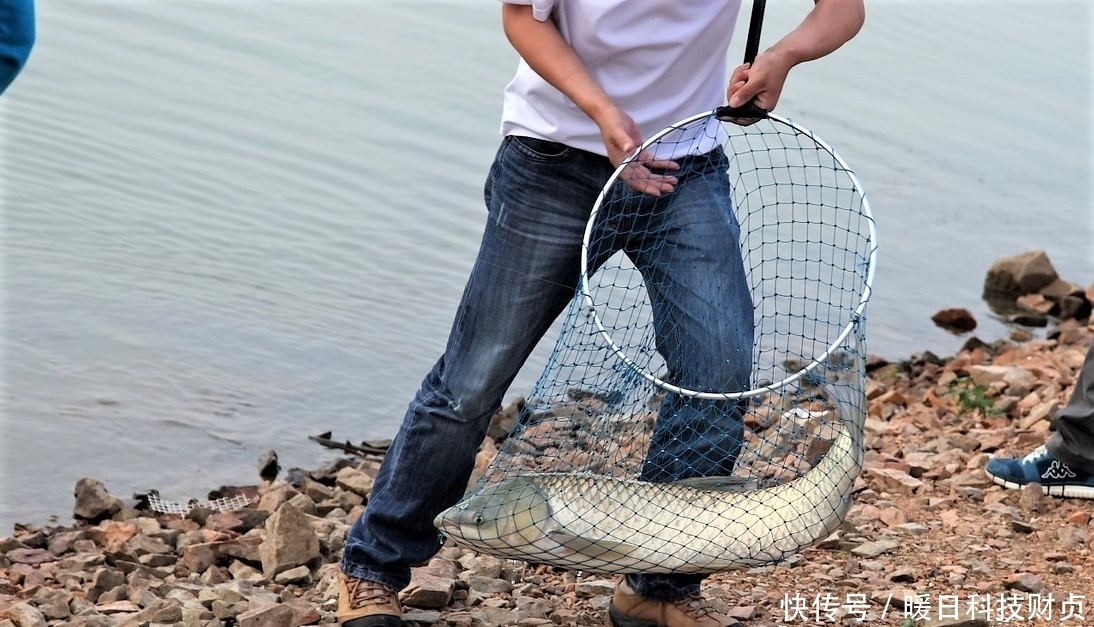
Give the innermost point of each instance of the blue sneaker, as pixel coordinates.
(1055, 477)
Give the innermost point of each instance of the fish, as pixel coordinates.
(603, 524)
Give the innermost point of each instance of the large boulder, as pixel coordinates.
(1014, 276)
(290, 542)
(1029, 284)
(93, 502)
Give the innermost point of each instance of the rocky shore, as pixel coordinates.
(929, 540)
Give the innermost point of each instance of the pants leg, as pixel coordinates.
(525, 274)
(703, 318)
(1073, 442)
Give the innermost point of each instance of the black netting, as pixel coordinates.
(703, 405)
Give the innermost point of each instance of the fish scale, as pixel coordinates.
(612, 525)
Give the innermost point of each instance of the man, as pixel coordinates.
(596, 77)
(1064, 465)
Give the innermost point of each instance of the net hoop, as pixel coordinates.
(854, 318)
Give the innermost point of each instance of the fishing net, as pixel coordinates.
(224, 504)
(703, 405)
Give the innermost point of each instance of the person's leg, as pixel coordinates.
(1073, 442)
(1064, 466)
(690, 258)
(524, 276)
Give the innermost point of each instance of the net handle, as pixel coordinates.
(749, 112)
(752, 44)
(853, 322)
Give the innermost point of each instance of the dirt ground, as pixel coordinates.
(928, 525)
(929, 539)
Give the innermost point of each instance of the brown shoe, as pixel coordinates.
(627, 609)
(363, 603)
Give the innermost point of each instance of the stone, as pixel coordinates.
(1024, 273)
(104, 580)
(24, 615)
(197, 558)
(93, 502)
(280, 615)
(432, 586)
(354, 480)
(874, 549)
(955, 320)
(268, 466)
(1025, 582)
(1032, 499)
(290, 542)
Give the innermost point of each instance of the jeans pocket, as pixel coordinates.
(542, 149)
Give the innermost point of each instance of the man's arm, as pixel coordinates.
(541, 45)
(828, 26)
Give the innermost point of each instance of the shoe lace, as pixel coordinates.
(695, 606)
(1036, 454)
(363, 592)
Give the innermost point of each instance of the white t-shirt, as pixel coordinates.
(660, 60)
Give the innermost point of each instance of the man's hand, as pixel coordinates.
(622, 137)
(543, 48)
(828, 26)
(761, 82)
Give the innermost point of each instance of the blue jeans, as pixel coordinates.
(539, 195)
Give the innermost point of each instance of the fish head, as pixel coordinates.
(501, 516)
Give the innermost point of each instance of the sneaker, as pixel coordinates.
(627, 609)
(1056, 478)
(363, 603)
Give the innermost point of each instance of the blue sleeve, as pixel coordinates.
(16, 38)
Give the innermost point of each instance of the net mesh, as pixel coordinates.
(224, 504)
(703, 406)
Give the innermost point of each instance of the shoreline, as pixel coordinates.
(926, 520)
(926, 525)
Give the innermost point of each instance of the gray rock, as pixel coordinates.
(428, 591)
(597, 587)
(273, 496)
(26, 615)
(488, 585)
(197, 558)
(104, 580)
(421, 617)
(874, 549)
(300, 574)
(93, 502)
(354, 480)
(272, 616)
(1024, 273)
(1025, 582)
(290, 542)
(268, 466)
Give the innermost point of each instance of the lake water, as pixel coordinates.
(231, 225)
